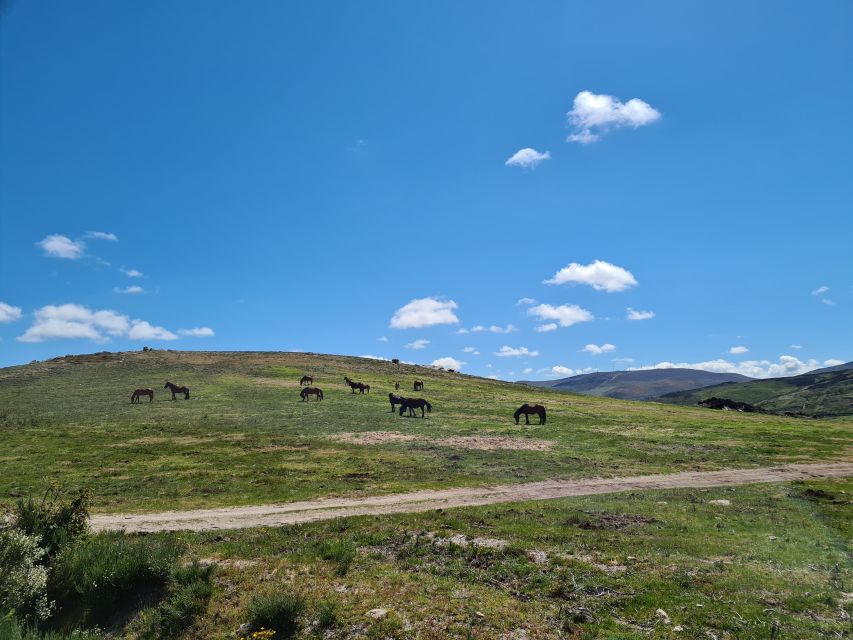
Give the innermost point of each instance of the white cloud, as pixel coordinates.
(597, 350)
(382, 339)
(527, 158)
(828, 301)
(526, 301)
(54, 322)
(448, 363)
(417, 344)
(600, 275)
(565, 372)
(371, 357)
(508, 352)
(197, 332)
(832, 363)
(785, 366)
(795, 346)
(565, 315)
(594, 114)
(424, 312)
(102, 235)
(820, 290)
(738, 350)
(131, 273)
(494, 329)
(471, 350)
(130, 289)
(462, 331)
(8, 313)
(633, 314)
(544, 328)
(142, 330)
(623, 361)
(59, 246)
(562, 371)
(528, 370)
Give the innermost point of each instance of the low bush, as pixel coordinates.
(282, 612)
(23, 579)
(339, 552)
(57, 520)
(11, 629)
(190, 589)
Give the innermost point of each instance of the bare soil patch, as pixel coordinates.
(488, 443)
(374, 437)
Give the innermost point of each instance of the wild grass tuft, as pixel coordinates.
(282, 612)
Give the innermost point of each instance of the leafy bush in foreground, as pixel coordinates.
(190, 590)
(281, 612)
(23, 580)
(56, 520)
(11, 629)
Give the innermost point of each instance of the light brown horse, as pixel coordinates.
(136, 398)
(311, 391)
(527, 410)
(309, 380)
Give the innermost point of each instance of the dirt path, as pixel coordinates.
(271, 515)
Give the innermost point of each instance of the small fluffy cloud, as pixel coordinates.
(795, 346)
(424, 312)
(59, 246)
(132, 289)
(633, 314)
(382, 339)
(417, 344)
(527, 158)
(820, 290)
(54, 322)
(448, 363)
(594, 114)
(565, 372)
(828, 301)
(494, 329)
(510, 352)
(102, 235)
(545, 328)
(197, 332)
(471, 350)
(131, 273)
(738, 350)
(8, 313)
(597, 350)
(564, 315)
(526, 301)
(600, 275)
(785, 366)
(832, 363)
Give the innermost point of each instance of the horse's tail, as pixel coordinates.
(188, 393)
(428, 406)
(320, 393)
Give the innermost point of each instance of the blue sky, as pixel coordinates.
(291, 176)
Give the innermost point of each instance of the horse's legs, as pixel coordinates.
(526, 418)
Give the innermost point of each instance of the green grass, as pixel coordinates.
(777, 557)
(245, 437)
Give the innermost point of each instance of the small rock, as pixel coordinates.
(663, 616)
(479, 614)
(721, 503)
(537, 557)
(772, 538)
(377, 614)
(678, 627)
(243, 629)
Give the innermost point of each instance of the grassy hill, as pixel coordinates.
(639, 385)
(824, 393)
(734, 562)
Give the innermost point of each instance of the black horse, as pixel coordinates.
(177, 389)
(527, 410)
(395, 400)
(311, 391)
(357, 385)
(415, 403)
(309, 380)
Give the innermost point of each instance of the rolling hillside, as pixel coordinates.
(822, 393)
(639, 385)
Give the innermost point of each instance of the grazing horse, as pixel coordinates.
(528, 409)
(395, 400)
(311, 391)
(357, 385)
(396, 386)
(415, 403)
(177, 389)
(136, 398)
(309, 380)
(419, 385)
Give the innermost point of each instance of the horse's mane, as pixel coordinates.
(519, 410)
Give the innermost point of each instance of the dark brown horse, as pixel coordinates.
(415, 403)
(527, 410)
(395, 400)
(309, 380)
(357, 385)
(311, 391)
(177, 389)
(396, 386)
(419, 385)
(136, 398)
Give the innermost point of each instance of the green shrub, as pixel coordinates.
(57, 520)
(340, 552)
(327, 615)
(11, 629)
(190, 589)
(96, 574)
(23, 580)
(281, 612)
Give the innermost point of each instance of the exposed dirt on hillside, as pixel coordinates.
(483, 443)
(418, 501)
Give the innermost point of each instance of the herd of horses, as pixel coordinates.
(409, 405)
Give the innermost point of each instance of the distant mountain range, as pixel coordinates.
(822, 393)
(644, 384)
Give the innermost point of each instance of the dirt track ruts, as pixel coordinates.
(271, 515)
